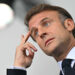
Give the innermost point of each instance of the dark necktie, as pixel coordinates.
(66, 66)
(61, 73)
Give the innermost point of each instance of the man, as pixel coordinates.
(53, 28)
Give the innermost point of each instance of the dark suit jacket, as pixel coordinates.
(71, 72)
(16, 72)
(22, 72)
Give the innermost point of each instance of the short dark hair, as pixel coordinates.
(63, 14)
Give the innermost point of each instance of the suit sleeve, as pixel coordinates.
(16, 72)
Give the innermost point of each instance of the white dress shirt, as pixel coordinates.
(15, 67)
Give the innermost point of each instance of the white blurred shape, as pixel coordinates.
(6, 15)
(27, 52)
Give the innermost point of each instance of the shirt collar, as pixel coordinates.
(71, 55)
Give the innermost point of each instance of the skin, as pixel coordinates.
(43, 26)
(21, 58)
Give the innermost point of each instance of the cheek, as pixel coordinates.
(58, 30)
(40, 43)
(62, 36)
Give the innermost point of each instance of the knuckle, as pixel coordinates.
(18, 48)
(26, 44)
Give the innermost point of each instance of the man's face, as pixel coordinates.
(48, 31)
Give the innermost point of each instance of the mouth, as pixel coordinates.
(48, 41)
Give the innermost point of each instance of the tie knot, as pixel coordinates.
(66, 62)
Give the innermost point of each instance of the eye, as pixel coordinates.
(47, 23)
(36, 33)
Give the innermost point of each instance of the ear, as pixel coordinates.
(69, 24)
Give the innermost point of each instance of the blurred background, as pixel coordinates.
(12, 14)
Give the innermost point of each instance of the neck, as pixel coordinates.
(65, 53)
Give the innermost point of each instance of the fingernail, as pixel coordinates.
(35, 49)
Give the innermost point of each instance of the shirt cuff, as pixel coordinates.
(15, 67)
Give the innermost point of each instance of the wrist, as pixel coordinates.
(19, 65)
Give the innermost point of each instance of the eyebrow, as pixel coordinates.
(44, 19)
(32, 29)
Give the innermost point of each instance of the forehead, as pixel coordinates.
(36, 19)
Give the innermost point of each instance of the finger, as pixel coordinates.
(30, 51)
(24, 39)
(27, 36)
(26, 48)
(33, 47)
(22, 36)
(27, 44)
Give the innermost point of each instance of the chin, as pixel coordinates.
(52, 50)
(49, 52)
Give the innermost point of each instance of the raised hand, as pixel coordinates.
(21, 58)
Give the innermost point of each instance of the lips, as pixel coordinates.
(49, 40)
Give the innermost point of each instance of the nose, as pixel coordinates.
(43, 35)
